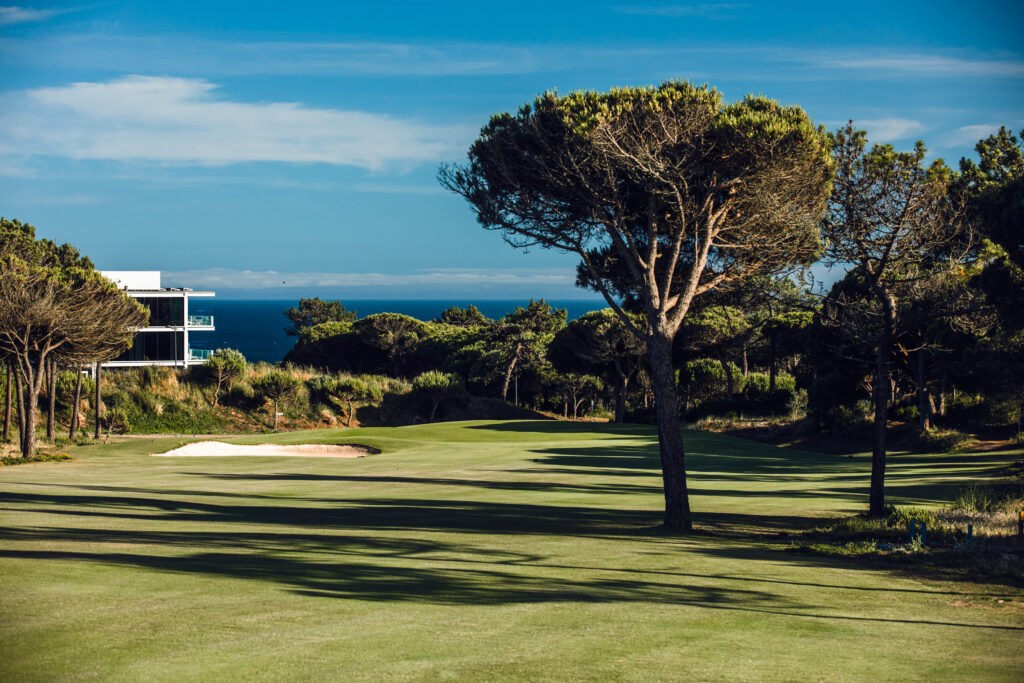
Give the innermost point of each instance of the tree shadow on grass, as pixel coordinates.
(464, 516)
(545, 428)
(344, 550)
(402, 570)
(508, 485)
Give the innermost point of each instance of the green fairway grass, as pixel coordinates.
(475, 551)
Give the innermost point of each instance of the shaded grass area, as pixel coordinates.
(516, 550)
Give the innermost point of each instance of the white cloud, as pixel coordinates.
(171, 53)
(381, 188)
(182, 121)
(927, 65)
(225, 278)
(23, 15)
(968, 135)
(707, 11)
(889, 129)
(61, 200)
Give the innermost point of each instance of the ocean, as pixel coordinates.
(256, 327)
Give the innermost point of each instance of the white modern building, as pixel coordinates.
(166, 340)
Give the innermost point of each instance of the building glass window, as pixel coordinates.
(156, 346)
(164, 311)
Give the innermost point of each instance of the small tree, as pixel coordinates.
(578, 388)
(278, 387)
(394, 334)
(719, 332)
(315, 311)
(523, 335)
(69, 389)
(470, 316)
(889, 217)
(354, 391)
(599, 343)
(437, 386)
(224, 366)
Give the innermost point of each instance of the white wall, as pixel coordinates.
(133, 279)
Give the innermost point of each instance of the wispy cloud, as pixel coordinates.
(61, 200)
(889, 129)
(383, 188)
(182, 121)
(190, 54)
(970, 135)
(927, 65)
(706, 11)
(25, 15)
(224, 278)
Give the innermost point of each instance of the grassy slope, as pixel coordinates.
(470, 550)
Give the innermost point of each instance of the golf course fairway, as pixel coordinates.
(525, 550)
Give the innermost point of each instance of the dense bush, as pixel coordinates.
(832, 404)
(434, 388)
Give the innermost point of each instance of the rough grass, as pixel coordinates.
(470, 551)
(41, 457)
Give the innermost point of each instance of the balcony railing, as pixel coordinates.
(200, 321)
(199, 354)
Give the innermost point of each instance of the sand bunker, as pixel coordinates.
(221, 449)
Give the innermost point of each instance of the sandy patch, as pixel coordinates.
(221, 449)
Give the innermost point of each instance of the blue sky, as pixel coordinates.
(284, 149)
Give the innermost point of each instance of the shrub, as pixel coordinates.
(832, 405)
(276, 386)
(704, 379)
(939, 440)
(797, 404)
(436, 386)
(976, 498)
(66, 382)
(116, 421)
(907, 412)
(224, 366)
(39, 457)
(153, 376)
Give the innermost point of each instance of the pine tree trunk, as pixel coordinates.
(670, 435)
(621, 386)
(923, 399)
(773, 370)
(51, 408)
(98, 401)
(34, 376)
(882, 391)
(274, 428)
(508, 373)
(942, 396)
(8, 401)
(728, 377)
(75, 405)
(19, 384)
(28, 448)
